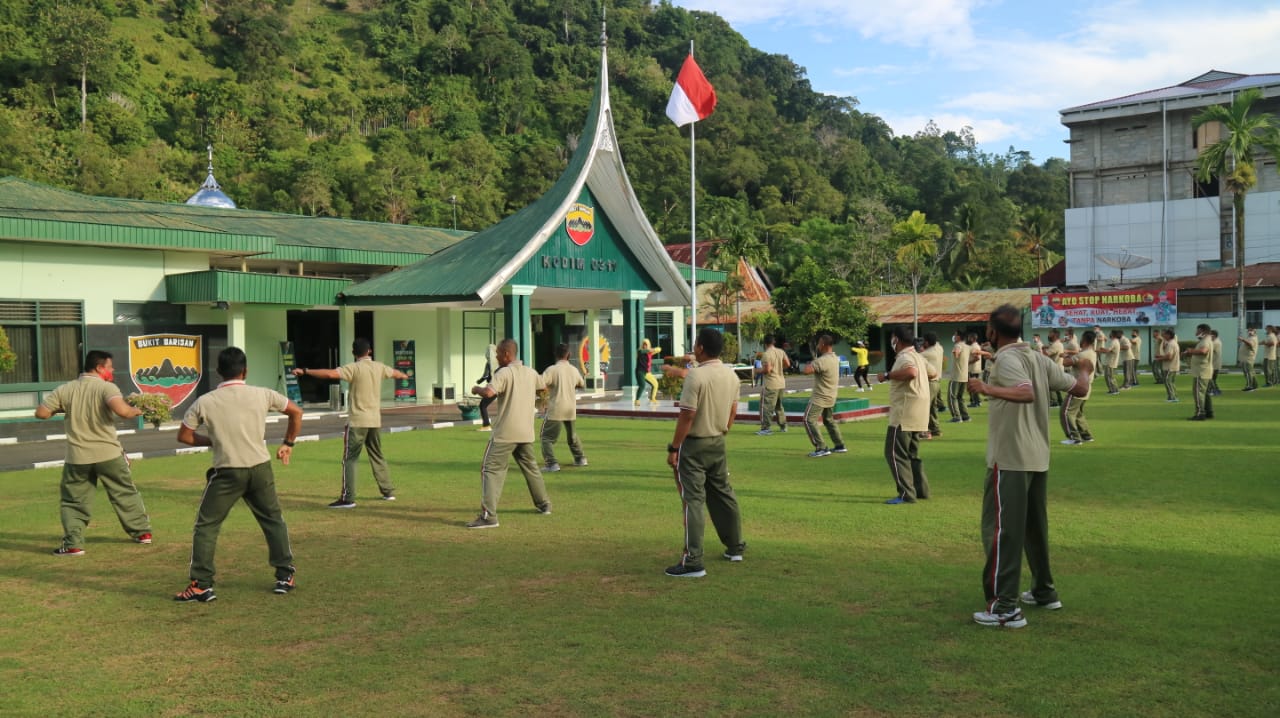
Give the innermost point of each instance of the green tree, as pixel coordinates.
(78, 37)
(1233, 159)
(760, 324)
(816, 302)
(918, 255)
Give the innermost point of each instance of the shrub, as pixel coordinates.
(155, 407)
(8, 359)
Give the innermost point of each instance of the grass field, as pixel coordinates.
(1164, 537)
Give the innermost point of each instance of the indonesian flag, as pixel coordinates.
(693, 98)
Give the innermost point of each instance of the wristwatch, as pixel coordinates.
(288, 443)
(673, 449)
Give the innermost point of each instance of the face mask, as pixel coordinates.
(106, 374)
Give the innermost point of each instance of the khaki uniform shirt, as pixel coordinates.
(1170, 348)
(777, 361)
(1271, 348)
(933, 357)
(236, 415)
(365, 396)
(975, 367)
(1092, 356)
(1113, 353)
(1055, 352)
(959, 363)
(90, 423)
(711, 390)
(1249, 349)
(1126, 349)
(562, 378)
(516, 387)
(1217, 354)
(909, 398)
(1201, 365)
(1136, 345)
(1018, 434)
(826, 380)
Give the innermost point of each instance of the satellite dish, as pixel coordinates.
(1123, 260)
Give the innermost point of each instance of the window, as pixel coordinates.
(1205, 135)
(658, 328)
(48, 338)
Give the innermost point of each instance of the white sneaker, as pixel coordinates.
(1028, 598)
(1012, 619)
(1070, 442)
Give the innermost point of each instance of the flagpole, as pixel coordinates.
(693, 224)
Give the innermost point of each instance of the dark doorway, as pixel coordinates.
(546, 339)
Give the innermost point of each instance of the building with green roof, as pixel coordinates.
(581, 265)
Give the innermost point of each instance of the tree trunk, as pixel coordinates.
(1237, 201)
(915, 311)
(84, 111)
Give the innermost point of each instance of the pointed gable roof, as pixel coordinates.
(478, 267)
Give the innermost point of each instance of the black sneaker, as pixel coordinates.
(682, 571)
(342, 504)
(484, 521)
(545, 509)
(195, 593)
(839, 449)
(284, 586)
(735, 554)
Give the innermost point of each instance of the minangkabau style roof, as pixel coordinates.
(478, 267)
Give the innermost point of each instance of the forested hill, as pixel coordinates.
(386, 109)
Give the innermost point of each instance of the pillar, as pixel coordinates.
(237, 332)
(444, 356)
(632, 333)
(346, 337)
(517, 322)
(595, 381)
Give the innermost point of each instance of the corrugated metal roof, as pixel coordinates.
(753, 289)
(114, 235)
(1212, 82)
(1261, 275)
(310, 235)
(947, 306)
(250, 288)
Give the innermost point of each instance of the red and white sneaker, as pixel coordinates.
(64, 551)
(142, 538)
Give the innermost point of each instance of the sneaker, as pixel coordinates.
(1029, 598)
(1070, 442)
(284, 586)
(483, 521)
(142, 538)
(954, 420)
(64, 551)
(782, 429)
(682, 571)
(392, 497)
(764, 432)
(636, 403)
(581, 462)
(1012, 619)
(550, 468)
(839, 449)
(899, 500)
(195, 593)
(1197, 417)
(818, 454)
(966, 420)
(1087, 439)
(735, 554)
(342, 504)
(1171, 401)
(485, 428)
(545, 509)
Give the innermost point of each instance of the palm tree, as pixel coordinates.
(1233, 158)
(918, 254)
(737, 228)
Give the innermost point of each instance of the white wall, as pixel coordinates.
(1193, 235)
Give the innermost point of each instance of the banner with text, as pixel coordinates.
(288, 362)
(1105, 309)
(405, 357)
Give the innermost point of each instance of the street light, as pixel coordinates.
(453, 203)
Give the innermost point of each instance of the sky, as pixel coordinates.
(1003, 67)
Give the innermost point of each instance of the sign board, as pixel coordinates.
(1105, 309)
(288, 363)
(168, 364)
(405, 357)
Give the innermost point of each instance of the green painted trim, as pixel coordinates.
(704, 274)
(337, 255)
(216, 285)
(114, 235)
(381, 300)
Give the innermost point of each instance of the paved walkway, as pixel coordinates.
(40, 444)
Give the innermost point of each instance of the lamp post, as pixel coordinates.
(453, 204)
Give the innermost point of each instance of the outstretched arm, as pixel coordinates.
(322, 373)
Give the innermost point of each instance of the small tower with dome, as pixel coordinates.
(210, 193)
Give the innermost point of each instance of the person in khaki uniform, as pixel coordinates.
(236, 414)
(1169, 365)
(1057, 352)
(94, 454)
(909, 401)
(958, 379)
(1074, 423)
(1217, 363)
(1248, 353)
(933, 358)
(1270, 365)
(563, 380)
(1014, 503)
(364, 419)
(1135, 344)
(825, 369)
(774, 363)
(1111, 348)
(1126, 361)
(1201, 368)
(516, 387)
(708, 404)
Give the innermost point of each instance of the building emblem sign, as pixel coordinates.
(580, 223)
(166, 364)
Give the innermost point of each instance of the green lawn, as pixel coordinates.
(1164, 537)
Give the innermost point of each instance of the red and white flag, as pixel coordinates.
(693, 98)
